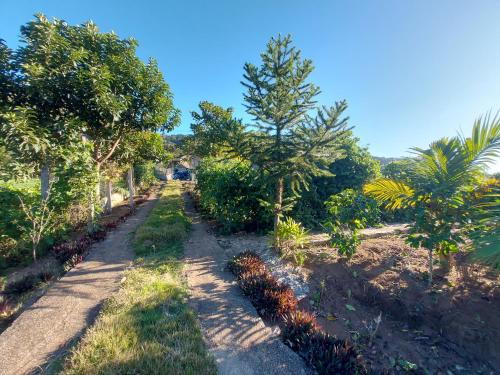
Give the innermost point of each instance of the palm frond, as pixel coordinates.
(483, 146)
(394, 194)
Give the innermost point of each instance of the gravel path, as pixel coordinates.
(46, 329)
(240, 342)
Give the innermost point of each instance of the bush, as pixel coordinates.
(230, 192)
(271, 298)
(351, 172)
(298, 329)
(246, 261)
(145, 175)
(349, 211)
(13, 240)
(331, 356)
(72, 250)
(24, 284)
(292, 237)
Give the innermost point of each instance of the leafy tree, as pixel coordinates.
(117, 93)
(349, 211)
(137, 148)
(287, 142)
(439, 192)
(37, 125)
(213, 128)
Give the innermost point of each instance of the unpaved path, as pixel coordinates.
(240, 342)
(47, 328)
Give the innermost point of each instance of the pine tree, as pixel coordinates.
(288, 143)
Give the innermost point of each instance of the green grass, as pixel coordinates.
(148, 327)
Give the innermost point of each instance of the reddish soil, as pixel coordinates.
(452, 329)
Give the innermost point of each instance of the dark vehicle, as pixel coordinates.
(182, 175)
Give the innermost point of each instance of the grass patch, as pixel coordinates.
(148, 327)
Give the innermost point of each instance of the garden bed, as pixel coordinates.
(455, 328)
(22, 287)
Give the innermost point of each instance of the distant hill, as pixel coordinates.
(384, 161)
(176, 139)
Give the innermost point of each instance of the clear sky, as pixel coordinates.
(411, 71)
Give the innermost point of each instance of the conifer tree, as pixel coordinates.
(288, 143)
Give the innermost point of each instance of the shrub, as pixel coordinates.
(230, 192)
(331, 356)
(349, 211)
(351, 172)
(271, 298)
(145, 175)
(298, 329)
(24, 284)
(98, 235)
(72, 250)
(246, 261)
(292, 237)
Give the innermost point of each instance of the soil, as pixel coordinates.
(454, 328)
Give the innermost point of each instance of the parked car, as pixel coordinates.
(182, 175)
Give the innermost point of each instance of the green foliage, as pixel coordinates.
(287, 141)
(352, 171)
(400, 170)
(440, 191)
(214, 128)
(486, 214)
(230, 192)
(349, 211)
(12, 220)
(144, 175)
(291, 237)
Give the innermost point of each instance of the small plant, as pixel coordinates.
(245, 262)
(349, 211)
(329, 355)
(39, 219)
(98, 235)
(298, 328)
(372, 328)
(290, 239)
(23, 285)
(72, 250)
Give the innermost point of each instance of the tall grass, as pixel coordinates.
(148, 328)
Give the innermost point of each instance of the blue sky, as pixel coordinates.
(411, 71)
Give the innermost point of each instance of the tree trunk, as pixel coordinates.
(130, 183)
(34, 252)
(278, 207)
(431, 265)
(109, 189)
(95, 200)
(44, 181)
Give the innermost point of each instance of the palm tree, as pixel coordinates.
(443, 187)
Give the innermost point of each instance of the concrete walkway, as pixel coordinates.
(46, 329)
(240, 342)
